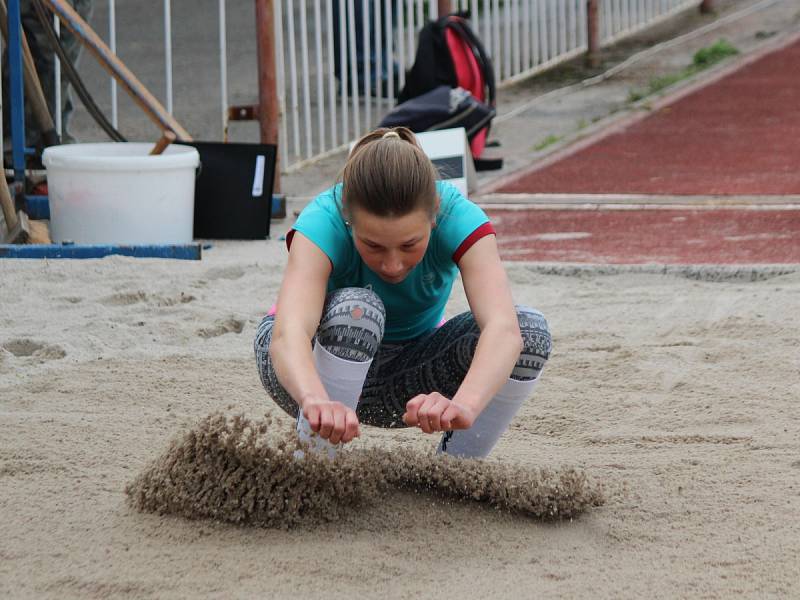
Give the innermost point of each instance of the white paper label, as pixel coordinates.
(258, 179)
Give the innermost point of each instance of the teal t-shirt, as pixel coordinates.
(416, 304)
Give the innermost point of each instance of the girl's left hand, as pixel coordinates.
(433, 412)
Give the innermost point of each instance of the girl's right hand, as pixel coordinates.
(333, 421)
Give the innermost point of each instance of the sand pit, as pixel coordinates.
(235, 470)
(676, 389)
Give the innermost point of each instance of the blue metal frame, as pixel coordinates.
(17, 91)
(177, 251)
(37, 207)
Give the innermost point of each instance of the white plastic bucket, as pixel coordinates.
(117, 193)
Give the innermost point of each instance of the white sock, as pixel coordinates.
(344, 381)
(478, 440)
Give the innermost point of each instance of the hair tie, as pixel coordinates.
(390, 134)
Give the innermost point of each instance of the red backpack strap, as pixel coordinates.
(458, 24)
(468, 72)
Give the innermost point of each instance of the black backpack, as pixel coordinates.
(441, 108)
(450, 54)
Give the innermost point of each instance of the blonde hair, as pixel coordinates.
(388, 175)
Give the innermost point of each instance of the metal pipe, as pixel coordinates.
(506, 38)
(112, 38)
(280, 62)
(331, 71)
(267, 88)
(354, 79)
(401, 42)
(57, 74)
(378, 29)
(292, 49)
(387, 8)
(344, 76)
(365, 46)
(17, 94)
(320, 87)
(305, 81)
(593, 33)
(223, 67)
(168, 52)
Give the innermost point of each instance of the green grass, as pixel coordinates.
(703, 59)
(711, 55)
(548, 141)
(659, 83)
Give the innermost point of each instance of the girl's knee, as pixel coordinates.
(537, 344)
(352, 324)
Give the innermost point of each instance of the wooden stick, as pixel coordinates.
(127, 80)
(165, 140)
(9, 212)
(39, 233)
(16, 223)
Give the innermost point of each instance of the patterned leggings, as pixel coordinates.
(352, 328)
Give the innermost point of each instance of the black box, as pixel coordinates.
(233, 193)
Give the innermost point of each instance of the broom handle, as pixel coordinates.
(9, 212)
(146, 101)
(165, 140)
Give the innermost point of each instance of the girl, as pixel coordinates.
(357, 335)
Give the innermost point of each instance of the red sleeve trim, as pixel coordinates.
(290, 237)
(480, 232)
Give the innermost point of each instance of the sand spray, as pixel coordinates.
(237, 470)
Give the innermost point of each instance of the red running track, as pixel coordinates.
(737, 136)
(663, 236)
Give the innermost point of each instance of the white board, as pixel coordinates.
(449, 151)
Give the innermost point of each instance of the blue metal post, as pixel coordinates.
(17, 94)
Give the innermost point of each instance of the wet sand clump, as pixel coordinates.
(237, 470)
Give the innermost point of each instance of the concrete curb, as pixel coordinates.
(666, 201)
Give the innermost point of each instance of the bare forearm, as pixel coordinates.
(497, 352)
(294, 365)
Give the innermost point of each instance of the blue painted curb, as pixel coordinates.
(173, 251)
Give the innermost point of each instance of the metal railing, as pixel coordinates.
(620, 18)
(340, 63)
(332, 98)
